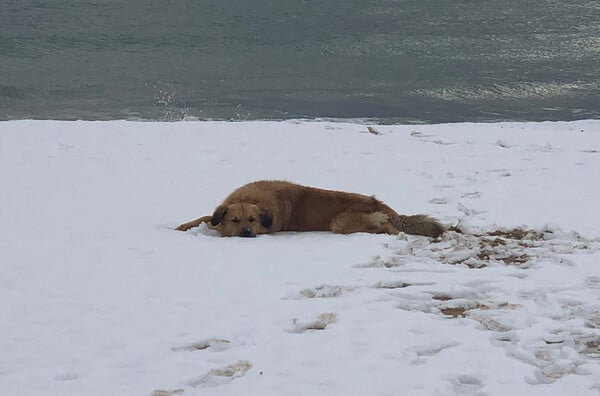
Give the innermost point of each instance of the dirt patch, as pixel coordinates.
(509, 247)
(461, 311)
(506, 305)
(512, 259)
(518, 247)
(517, 233)
(457, 312)
(591, 346)
(496, 242)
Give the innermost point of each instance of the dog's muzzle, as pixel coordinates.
(246, 233)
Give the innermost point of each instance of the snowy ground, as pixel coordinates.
(101, 297)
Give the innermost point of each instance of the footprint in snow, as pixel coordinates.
(467, 385)
(468, 211)
(418, 134)
(391, 284)
(67, 377)
(471, 195)
(221, 375)
(322, 291)
(440, 142)
(593, 282)
(398, 284)
(214, 344)
(424, 351)
(547, 148)
(458, 305)
(320, 323)
(502, 143)
(379, 262)
(438, 201)
(167, 392)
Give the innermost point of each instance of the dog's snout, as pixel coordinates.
(245, 232)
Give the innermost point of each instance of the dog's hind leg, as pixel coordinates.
(372, 222)
(194, 223)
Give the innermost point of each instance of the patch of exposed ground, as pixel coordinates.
(518, 247)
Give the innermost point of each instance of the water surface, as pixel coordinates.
(396, 61)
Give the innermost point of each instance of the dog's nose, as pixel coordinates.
(245, 232)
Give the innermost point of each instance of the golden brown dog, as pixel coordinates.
(265, 207)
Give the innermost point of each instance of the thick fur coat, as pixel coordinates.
(265, 207)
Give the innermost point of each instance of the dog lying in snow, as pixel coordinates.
(264, 207)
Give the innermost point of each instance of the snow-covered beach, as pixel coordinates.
(100, 296)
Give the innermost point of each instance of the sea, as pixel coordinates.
(386, 61)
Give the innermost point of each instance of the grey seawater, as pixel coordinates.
(388, 60)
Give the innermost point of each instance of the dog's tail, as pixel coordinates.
(416, 224)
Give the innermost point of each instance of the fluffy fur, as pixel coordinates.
(264, 207)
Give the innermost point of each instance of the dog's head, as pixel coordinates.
(242, 219)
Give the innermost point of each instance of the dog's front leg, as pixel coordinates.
(194, 223)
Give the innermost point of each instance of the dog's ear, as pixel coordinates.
(266, 217)
(218, 215)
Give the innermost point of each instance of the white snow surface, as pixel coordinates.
(100, 296)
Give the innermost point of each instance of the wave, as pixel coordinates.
(499, 91)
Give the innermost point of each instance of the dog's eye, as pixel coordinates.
(235, 220)
(251, 219)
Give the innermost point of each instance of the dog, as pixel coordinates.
(265, 207)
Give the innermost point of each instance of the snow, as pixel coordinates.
(100, 296)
